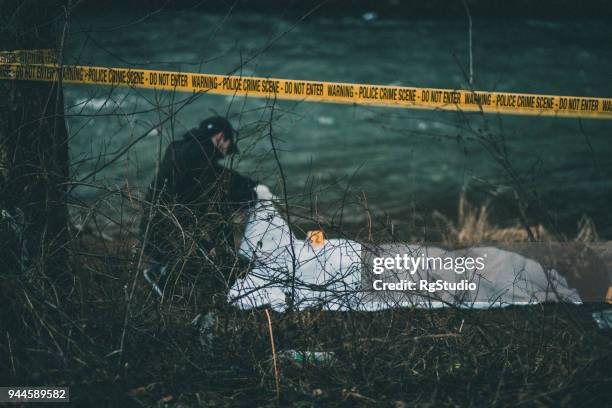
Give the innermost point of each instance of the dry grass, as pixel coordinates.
(474, 226)
(114, 347)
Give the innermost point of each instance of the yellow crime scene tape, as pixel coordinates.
(41, 65)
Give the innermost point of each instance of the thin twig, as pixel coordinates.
(8, 339)
(470, 53)
(274, 358)
(286, 202)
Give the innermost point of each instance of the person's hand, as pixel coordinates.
(263, 192)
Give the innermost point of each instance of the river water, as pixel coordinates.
(404, 161)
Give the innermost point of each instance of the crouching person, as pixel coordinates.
(186, 232)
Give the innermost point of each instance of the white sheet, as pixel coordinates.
(330, 276)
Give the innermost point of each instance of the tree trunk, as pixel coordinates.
(34, 140)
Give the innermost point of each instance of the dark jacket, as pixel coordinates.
(192, 200)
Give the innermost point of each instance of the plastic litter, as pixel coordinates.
(603, 318)
(309, 358)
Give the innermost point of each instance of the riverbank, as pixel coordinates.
(109, 338)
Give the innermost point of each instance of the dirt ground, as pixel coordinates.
(109, 338)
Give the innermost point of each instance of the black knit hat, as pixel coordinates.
(216, 124)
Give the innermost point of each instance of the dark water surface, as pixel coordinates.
(401, 159)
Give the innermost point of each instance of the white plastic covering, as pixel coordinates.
(329, 276)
